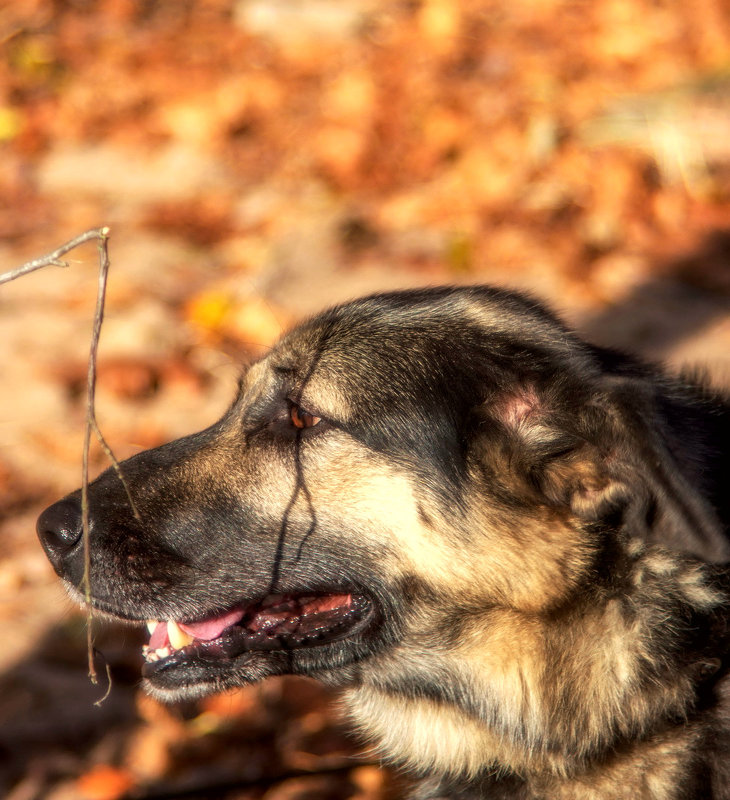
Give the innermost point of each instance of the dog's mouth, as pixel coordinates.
(277, 622)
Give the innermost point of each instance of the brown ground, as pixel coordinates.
(257, 160)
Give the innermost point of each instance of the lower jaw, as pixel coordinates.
(242, 656)
(190, 679)
(216, 657)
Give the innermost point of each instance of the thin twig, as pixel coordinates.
(54, 259)
(108, 679)
(92, 426)
(103, 236)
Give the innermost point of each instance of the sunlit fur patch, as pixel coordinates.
(525, 685)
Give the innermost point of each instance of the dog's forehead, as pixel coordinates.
(397, 344)
(367, 331)
(347, 346)
(434, 314)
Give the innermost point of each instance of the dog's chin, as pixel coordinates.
(190, 679)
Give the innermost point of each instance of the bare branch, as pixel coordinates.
(108, 680)
(91, 425)
(54, 259)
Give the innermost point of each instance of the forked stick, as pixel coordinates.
(54, 259)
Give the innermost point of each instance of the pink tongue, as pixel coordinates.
(213, 627)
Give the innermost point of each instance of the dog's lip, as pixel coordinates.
(277, 622)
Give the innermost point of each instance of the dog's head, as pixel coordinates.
(393, 466)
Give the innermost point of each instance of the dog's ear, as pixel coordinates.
(615, 449)
(562, 446)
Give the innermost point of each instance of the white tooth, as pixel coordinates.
(151, 625)
(162, 652)
(177, 636)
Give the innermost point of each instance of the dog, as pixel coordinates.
(505, 545)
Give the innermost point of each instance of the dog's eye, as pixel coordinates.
(301, 418)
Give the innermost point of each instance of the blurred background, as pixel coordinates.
(257, 160)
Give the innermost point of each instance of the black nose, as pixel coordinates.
(59, 529)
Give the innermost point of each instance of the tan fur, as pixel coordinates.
(522, 668)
